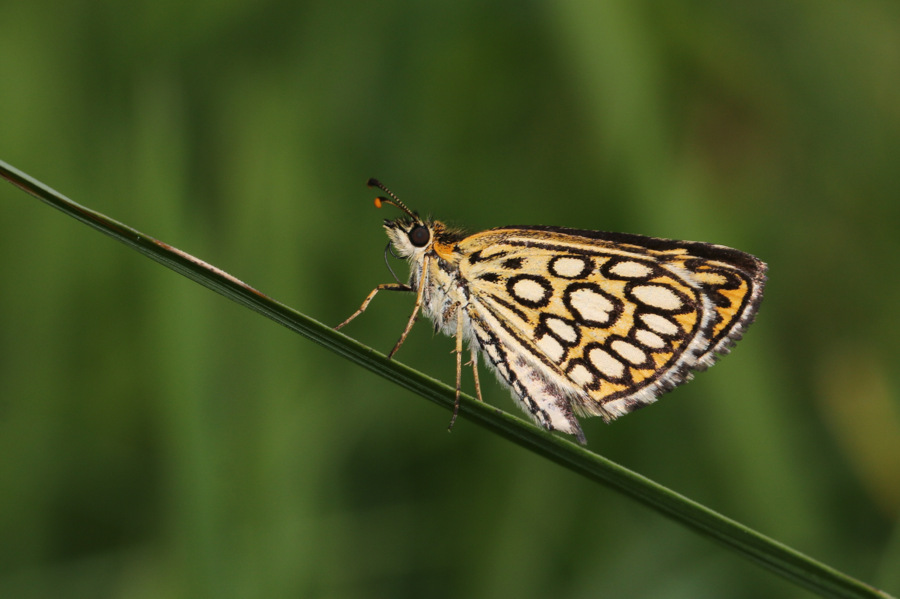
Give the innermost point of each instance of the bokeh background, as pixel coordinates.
(157, 440)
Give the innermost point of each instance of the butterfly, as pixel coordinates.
(574, 322)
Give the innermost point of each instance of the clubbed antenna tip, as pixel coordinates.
(394, 201)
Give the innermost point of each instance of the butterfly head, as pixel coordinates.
(413, 237)
(410, 235)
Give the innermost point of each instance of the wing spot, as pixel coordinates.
(591, 306)
(628, 269)
(581, 376)
(657, 296)
(570, 267)
(562, 329)
(649, 339)
(661, 325)
(551, 347)
(631, 353)
(605, 364)
(529, 290)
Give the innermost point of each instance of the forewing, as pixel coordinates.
(614, 320)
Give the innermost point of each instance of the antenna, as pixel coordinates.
(394, 201)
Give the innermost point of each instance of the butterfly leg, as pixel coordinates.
(412, 317)
(459, 350)
(474, 363)
(473, 347)
(365, 304)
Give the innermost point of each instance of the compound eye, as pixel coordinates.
(419, 236)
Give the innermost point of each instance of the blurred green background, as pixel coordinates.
(157, 440)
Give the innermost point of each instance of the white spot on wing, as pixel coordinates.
(591, 305)
(568, 267)
(629, 269)
(650, 339)
(551, 347)
(657, 296)
(581, 375)
(529, 290)
(628, 351)
(660, 324)
(605, 363)
(562, 329)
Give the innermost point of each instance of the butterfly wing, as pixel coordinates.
(602, 322)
